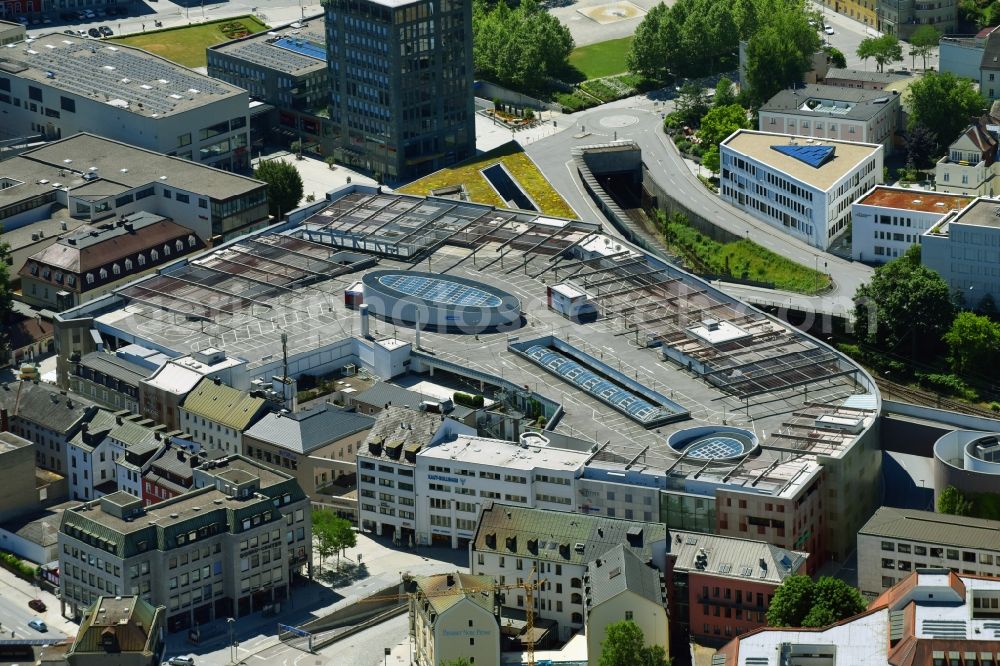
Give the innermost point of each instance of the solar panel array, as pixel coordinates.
(814, 156)
(117, 72)
(441, 291)
(303, 46)
(264, 54)
(603, 389)
(715, 448)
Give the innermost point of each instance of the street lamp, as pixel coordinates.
(232, 639)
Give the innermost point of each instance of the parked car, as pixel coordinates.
(106, 31)
(69, 32)
(37, 605)
(81, 33)
(181, 661)
(94, 32)
(38, 625)
(828, 30)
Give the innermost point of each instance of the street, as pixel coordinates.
(15, 594)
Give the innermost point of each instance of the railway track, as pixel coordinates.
(898, 392)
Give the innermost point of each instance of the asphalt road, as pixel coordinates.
(14, 616)
(638, 119)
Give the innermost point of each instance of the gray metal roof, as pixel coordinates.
(383, 393)
(861, 104)
(303, 432)
(44, 405)
(619, 570)
(112, 365)
(732, 557)
(862, 75)
(931, 527)
(399, 434)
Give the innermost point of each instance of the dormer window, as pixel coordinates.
(104, 274)
(34, 269)
(128, 264)
(116, 269)
(154, 255)
(166, 250)
(192, 241)
(179, 245)
(142, 259)
(90, 278)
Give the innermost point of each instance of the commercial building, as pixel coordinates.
(163, 392)
(511, 542)
(964, 248)
(317, 446)
(723, 585)
(452, 617)
(171, 472)
(35, 537)
(383, 394)
(721, 352)
(897, 542)
(94, 260)
(58, 85)
(400, 77)
(17, 493)
(802, 187)
(11, 33)
(968, 460)
(387, 463)
(903, 18)
(43, 414)
(119, 630)
(970, 165)
(832, 112)
(932, 616)
(862, 11)
(859, 78)
(620, 586)
(216, 415)
(887, 221)
(228, 548)
(27, 236)
(112, 379)
(99, 180)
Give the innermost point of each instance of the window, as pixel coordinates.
(183, 198)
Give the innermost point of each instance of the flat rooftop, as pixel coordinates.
(821, 101)
(241, 297)
(122, 77)
(758, 146)
(11, 442)
(509, 455)
(983, 212)
(931, 527)
(902, 198)
(296, 49)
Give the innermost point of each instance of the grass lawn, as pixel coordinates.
(743, 259)
(602, 58)
(518, 164)
(186, 46)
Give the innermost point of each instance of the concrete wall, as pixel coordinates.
(651, 618)
(17, 492)
(961, 57)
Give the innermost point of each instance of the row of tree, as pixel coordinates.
(518, 46)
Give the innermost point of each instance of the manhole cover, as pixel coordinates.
(618, 121)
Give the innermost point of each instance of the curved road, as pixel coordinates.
(638, 119)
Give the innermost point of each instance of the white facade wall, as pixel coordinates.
(877, 129)
(880, 234)
(211, 435)
(791, 205)
(386, 498)
(464, 630)
(166, 134)
(651, 618)
(967, 257)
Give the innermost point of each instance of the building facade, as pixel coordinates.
(216, 415)
(18, 494)
(400, 77)
(832, 112)
(111, 380)
(897, 542)
(64, 84)
(904, 17)
(119, 631)
(802, 187)
(970, 165)
(452, 617)
(43, 414)
(859, 78)
(228, 548)
(887, 221)
(964, 248)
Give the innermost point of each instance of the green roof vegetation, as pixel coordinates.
(186, 45)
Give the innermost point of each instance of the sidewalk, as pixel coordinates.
(21, 592)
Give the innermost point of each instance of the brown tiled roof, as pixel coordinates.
(23, 331)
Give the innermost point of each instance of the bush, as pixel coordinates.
(17, 566)
(468, 400)
(946, 383)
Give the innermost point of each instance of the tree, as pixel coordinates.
(951, 501)
(284, 186)
(331, 161)
(885, 49)
(722, 121)
(461, 661)
(904, 300)
(518, 46)
(791, 603)
(725, 95)
(691, 105)
(331, 534)
(6, 295)
(624, 645)
(835, 57)
(779, 54)
(923, 40)
(800, 602)
(944, 104)
(711, 159)
(647, 54)
(973, 343)
(920, 145)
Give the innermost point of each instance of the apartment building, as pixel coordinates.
(400, 77)
(43, 414)
(512, 543)
(902, 18)
(859, 78)
(964, 248)
(120, 630)
(163, 392)
(452, 617)
(897, 542)
(969, 166)
(387, 462)
(801, 187)
(112, 379)
(216, 415)
(228, 548)
(456, 479)
(887, 221)
(171, 472)
(94, 260)
(723, 585)
(832, 112)
(62, 84)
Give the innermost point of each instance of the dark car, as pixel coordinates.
(106, 31)
(37, 605)
(94, 32)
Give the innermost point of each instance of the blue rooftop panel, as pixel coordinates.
(814, 156)
(303, 47)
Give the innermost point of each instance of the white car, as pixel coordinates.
(38, 625)
(828, 30)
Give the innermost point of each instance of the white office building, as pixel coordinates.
(802, 187)
(455, 479)
(886, 221)
(58, 85)
(964, 248)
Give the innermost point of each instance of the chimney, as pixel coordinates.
(4, 420)
(451, 580)
(363, 313)
(217, 381)
(180, 455)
